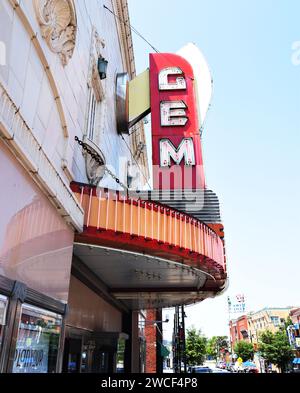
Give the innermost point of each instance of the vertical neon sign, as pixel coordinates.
(176, 144)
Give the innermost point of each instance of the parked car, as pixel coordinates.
(220, 371)
(295, 370)
(200, 369)
(251, 370)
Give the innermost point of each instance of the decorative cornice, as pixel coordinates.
(20, 139)
(57, 20)
(123, 22)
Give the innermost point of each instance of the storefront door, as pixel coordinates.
(72, 355)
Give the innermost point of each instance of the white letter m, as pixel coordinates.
(184, 150)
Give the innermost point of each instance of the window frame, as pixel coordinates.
(37, 312)
(5, 301)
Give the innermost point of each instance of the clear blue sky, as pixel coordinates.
(251, 139)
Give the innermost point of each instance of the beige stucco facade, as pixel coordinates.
(266, 319)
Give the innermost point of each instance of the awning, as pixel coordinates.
(296, 361)
(249, 364)
(147, 255)
(164, 352)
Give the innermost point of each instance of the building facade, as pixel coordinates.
(249, 327)
(239, 330)
(293, 332)
(86, 261)
(270, 318)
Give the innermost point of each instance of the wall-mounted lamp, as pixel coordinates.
(155, 322)
(102, 67)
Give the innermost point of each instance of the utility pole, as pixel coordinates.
(183, 338)
(179, 347)
(230, 326)
(175, 341)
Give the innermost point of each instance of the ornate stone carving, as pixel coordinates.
(98, 42)
(97, 46)
(133, 176)
(57, 20)
(94, 170)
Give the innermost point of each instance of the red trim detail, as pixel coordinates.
(149, 246)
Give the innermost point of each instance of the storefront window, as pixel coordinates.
(3, 309)
(38, 341)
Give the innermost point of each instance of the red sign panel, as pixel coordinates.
(176, 144)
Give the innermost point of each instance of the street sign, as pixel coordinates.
(238, 305)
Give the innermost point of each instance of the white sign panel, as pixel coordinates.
(238, 305)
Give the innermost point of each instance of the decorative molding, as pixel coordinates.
(20, 139)
(67, 170)
(125, 37)
(57, 20)
(94, 171)
(134, 176)
(96, 51)
(99, 42)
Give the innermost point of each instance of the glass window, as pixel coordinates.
(38, 341)
(91, 115)
(275, 321)
(3, 310)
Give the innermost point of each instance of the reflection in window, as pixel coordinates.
(120, 355)
(38, 341)
(3, 310)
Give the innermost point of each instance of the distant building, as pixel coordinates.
(239, 330)
(250, 326)
(294, 335)
(269, 318)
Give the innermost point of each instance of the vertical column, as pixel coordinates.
(151, 342)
